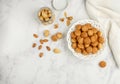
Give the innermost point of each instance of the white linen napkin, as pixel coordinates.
(107, 10)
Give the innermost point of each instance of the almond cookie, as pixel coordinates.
(78, 27)
(101, 40)
(78, 50)
(94, 50)
(84, 34)
(90, 32)
(102, 64)
(89, 49)
(74, 45)
(87, 40)
(84, 28)
(77, 32)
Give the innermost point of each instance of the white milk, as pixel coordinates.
(59, 4)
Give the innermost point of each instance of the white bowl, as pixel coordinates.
(94, 24)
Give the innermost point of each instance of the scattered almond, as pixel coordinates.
(35, 35)
(56, 50)
(61, 19)
(39, 47)
(55, 26)
(48, 48)
(68, 22)
(41, 54)
(34, 45)
(41, 41)
(45, 40)
(70, 18)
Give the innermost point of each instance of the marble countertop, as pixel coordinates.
(20, 64)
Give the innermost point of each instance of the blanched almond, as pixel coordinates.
(65, 14)
(56, 50)
(46, 33)
(59, 35)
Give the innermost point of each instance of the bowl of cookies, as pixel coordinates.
(46, 15)
(86, 39)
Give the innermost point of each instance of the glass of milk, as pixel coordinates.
(59, 4)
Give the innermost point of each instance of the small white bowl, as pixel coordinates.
(79, 55)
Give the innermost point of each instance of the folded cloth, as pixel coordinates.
(107, 10)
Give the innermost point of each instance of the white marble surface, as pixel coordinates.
(20, 64)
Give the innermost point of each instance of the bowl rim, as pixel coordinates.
(59, 9)
(79, 55)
